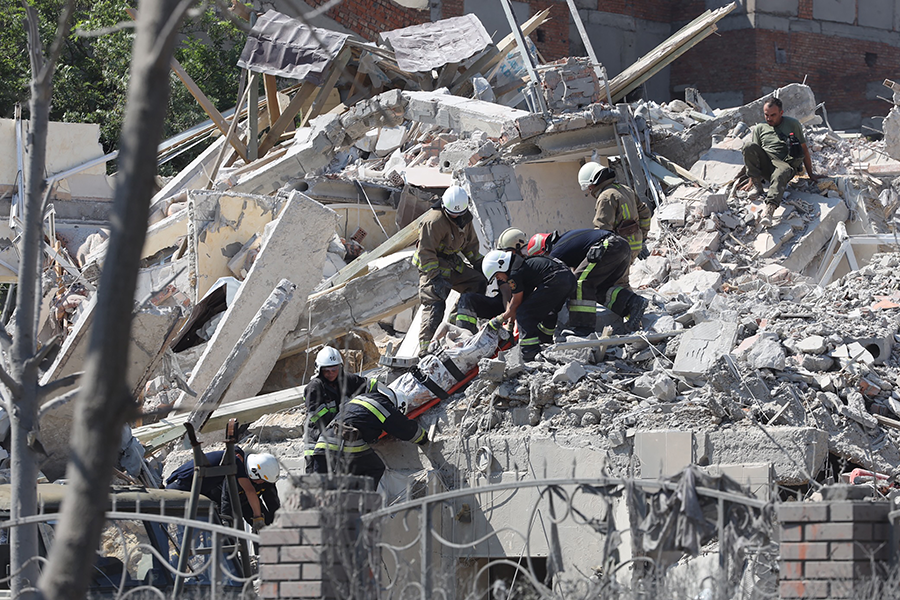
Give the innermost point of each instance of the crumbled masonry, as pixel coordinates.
(778, 346)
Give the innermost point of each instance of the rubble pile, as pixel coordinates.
(251, 264)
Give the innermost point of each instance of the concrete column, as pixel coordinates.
(830, 548)
(317, 547)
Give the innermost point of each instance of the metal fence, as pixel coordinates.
(138, 556)
(574, 538)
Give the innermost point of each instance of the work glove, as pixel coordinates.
(441, 286)
(644, 253)
(595, 253)
(424, 439)
(258, 524)
(495, 324)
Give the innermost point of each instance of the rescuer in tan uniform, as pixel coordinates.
(618, 209)
(446, 236)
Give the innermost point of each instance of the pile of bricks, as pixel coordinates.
(831, 549)
(317, 548)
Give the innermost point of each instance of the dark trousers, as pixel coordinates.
(597, 283)
(537, 314)
(368, 464)
(760, 165)
(472, 307)
(434, 302)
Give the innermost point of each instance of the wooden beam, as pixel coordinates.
(448, 74)
(286, 117)
(337, 68)
(271, 97)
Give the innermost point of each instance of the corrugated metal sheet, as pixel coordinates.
(432, 45)
(280, 45)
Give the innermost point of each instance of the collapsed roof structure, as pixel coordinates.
(767, 354)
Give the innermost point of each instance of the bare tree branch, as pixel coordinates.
(6, 379)
(38, 358)
(58, 402)
(62, 382)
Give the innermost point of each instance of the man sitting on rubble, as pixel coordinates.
(446, 236)
(618, 210)
(472, 305)
(346, 443)
(256, 477)
(598, 257)
(777, 151)
(326, 393)
(540, 286)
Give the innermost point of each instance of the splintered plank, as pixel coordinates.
(286, 118)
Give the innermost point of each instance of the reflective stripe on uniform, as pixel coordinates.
(429, 266)
(530, 342)
(644, 223)
(373, 407)
(613, 294)
(351, 447)
(634, 242)
(546, 330)
(419, 437)
(582, 306)
(322, 412)
(467, 318)
(578, 291)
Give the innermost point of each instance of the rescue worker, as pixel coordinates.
(446, 236)
(598, 257)
(256, 477)
(347, 440)
(618, 210)
(539, 285)
(326, 392)
(473, 305)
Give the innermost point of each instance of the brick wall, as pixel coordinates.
(663, 11)
(316, 548)
(827, 547)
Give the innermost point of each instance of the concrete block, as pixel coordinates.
(298, 554)
(891, 128)
(673, 213)
(695, 283)
(802, 512)
(702, 346)
(790, 570)
(702, 242)
(649, 272)
(766, 353)
(570, 373)
(787, 8)
(840, 532)
(288, 572)
(465, 115)
(491, 369)
(389, 139)
(808, 245)
(774, 273)
(302, 589)
(758, 477)
(836, 569)
(876, 13)
(792, 533)
(719, 165)
(814, 344)
(805, 447)
(301, 218)
(273, 536)
(855, 551)
(841, 11)
(663, 453)
(311, 572)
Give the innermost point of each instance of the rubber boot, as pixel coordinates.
(636, 309)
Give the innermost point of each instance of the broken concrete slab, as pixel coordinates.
(301, 218)
(813, 344)
(796, 453)
(766, 353)
(827, 213)
(362, 301)
(664, 453)
(673, 212)
(773, 239)
(703, 242)
(702, 346)
(721, 163)
(466, 116)
(697, 282)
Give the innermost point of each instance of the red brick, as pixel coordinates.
(792, 533)
(858, 551)
(802, 512)
(823, 532)
(860, 511)
(804, 550)
(300, 554)
(837, 569)
(301, 589)
(803, 589)
(283, 572)
(790, 570)
(273, 536)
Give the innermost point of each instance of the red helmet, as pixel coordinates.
(538, 244)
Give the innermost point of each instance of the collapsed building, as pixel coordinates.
(767, 354)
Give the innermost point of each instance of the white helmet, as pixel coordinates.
(455, 200)
(263, 466)
(328, 357)
(512, 239)
(592, 173)
(496, 261)
(397, 398)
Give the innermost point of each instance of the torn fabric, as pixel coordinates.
(279, 45)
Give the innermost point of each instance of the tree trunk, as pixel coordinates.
(24, 370)
(104, 403)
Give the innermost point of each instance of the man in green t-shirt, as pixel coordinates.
(769, 156)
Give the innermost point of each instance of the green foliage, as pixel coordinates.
(92, 73)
